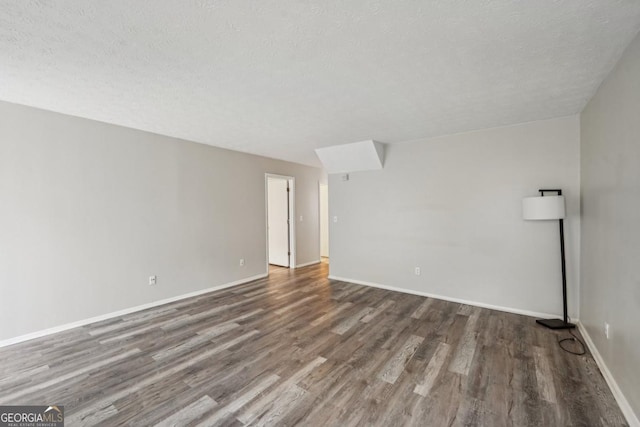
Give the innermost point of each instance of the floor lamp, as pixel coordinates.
(550, 208)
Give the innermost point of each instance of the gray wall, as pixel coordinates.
(453, 206)
(89, 210)
(610, 289)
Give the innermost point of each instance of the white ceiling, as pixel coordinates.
(280, 78)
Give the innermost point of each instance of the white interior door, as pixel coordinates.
(324, 220)
(278, 221)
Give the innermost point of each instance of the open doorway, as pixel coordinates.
(280, 226)
(324, 222)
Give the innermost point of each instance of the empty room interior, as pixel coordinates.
(359, 213)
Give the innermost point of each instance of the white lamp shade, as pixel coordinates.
(541, 208)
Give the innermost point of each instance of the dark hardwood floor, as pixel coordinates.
(298, 349)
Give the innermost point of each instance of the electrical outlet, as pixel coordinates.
(153, 280)
(241, 262)
(417, 271)
(607, 330)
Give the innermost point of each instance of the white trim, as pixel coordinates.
(306, 264)
(625, 407)
(67, 326)
(445, 298)
(320, 185)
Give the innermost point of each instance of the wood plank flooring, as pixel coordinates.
(298, 349)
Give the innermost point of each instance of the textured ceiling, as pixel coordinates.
(280, 78)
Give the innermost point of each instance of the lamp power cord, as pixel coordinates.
(573, 338)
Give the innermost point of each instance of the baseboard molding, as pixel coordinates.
(445, 298)
(625, 407)
(67, 326)
(306, 264)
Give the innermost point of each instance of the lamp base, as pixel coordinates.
(555, 323)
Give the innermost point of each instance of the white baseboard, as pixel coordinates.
(129, 310)
(306, 264)
(625, 407)
(445, 298)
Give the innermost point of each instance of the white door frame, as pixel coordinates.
(292, 216)
(320, 185)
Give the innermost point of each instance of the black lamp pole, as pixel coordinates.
(559, 323)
